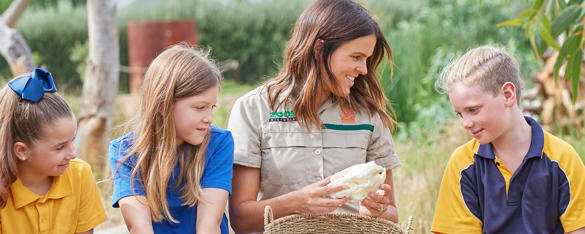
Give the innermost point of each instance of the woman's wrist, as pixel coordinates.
(290, 203)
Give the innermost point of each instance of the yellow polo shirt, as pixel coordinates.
(71, 205)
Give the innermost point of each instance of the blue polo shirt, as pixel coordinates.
(546, 194)
(217, 174)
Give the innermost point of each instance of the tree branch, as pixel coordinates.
(11, 15)
(14, 49)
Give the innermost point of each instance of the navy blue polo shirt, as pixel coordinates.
(478, 191)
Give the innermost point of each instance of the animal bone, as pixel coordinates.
(361, 179)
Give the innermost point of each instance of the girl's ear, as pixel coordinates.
(20, 150)
(509, 94)
(317, 48)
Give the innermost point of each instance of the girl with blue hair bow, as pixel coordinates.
(43, 188)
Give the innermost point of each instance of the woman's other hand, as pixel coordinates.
(381, 203)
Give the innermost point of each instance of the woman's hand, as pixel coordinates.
(312, 198)
(247, 213)
(381, 203)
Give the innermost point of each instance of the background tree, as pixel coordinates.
(100, 85)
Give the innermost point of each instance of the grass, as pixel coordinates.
(416, 181)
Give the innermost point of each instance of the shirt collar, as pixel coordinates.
(536, 143)
(22, 196)
(326, 105)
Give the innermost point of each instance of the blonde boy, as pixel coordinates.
(513, 177)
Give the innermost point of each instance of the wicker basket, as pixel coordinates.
(329, 223)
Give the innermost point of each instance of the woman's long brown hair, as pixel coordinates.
(335, 22)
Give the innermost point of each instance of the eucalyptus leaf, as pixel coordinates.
(576, 73)
(569, 46)
(545, 34)
(537, 4)
(567, 18)
(512, 22)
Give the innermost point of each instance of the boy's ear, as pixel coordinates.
(509, 93)
(21, 150)
(317, 48)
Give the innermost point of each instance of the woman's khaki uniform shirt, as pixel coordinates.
(290, 157)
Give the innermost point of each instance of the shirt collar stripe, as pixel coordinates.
(368, 127)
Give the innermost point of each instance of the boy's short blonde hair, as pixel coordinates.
(487, 66)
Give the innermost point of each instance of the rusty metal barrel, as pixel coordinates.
(147, 39)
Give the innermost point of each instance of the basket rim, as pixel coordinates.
(274, 222)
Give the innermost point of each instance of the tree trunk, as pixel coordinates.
(15, 50)
(100, 85)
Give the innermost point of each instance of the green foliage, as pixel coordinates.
(248, 31)
(567, 18)
(429, 40)
(251, 32)
(424, 35)
(78, 55)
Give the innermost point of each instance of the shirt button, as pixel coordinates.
(318, 151)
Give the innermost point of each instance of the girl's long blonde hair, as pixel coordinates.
(335, 22)
(176, 73)
(23, 121)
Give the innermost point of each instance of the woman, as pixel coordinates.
(324, 112)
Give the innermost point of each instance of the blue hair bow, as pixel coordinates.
(33, 87)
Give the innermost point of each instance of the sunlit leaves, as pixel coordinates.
(557, 24)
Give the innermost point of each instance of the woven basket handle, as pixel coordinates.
(409, 225)
(268, 216)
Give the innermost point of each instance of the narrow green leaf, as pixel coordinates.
(567, 17)
(544, 33)
(534, 47)
(480, 1)
(542, 46)
(512, 22)
(526, 13)
(581, 15)
(529, 28)
(569, 67)
(537, 4)
(570, 45)
(545, 22)
(549, 9)
(578, 60)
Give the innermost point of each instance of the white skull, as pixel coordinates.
(361, 179)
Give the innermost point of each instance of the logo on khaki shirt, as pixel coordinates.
(347, 115)
(282, 116)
